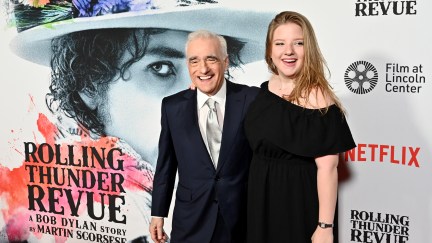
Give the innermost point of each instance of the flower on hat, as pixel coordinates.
(38, 3)
(89, 8)
(39, 12)
(32, 13)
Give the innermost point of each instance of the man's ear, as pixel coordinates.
(226, 63)
(89, 99)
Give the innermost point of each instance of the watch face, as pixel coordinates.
(324, 225)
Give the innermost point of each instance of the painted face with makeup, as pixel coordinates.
(287, 51)
(113, 81)
(132, 106)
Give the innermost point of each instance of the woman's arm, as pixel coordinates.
(327, 183)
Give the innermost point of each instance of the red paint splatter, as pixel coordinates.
(14, 182)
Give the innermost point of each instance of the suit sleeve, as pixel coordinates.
(166, 168)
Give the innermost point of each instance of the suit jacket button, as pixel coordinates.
(217, 178)
(215, 200)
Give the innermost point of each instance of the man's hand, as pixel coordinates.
(157, 232)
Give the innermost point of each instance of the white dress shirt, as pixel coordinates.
(203, 109)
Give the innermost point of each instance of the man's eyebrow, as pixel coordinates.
(166, 52)
(192, 58)
(207, 57)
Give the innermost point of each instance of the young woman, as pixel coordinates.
(296, 128)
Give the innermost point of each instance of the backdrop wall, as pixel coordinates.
(379, 56)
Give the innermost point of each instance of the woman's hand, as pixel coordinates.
(322, 235)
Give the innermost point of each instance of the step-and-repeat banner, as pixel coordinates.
(82, 83)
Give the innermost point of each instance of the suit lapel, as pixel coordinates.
(232, 121)
(193, 127)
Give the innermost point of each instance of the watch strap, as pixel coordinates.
(325, 225)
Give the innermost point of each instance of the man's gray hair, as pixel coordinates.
(209, 35)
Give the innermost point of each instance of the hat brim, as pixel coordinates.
(248, 26)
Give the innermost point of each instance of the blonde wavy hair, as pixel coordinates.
(312, 75)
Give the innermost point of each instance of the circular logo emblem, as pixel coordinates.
(361, 77)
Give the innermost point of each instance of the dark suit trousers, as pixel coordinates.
(221, 233)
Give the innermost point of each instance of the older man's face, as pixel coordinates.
(206, 64)
(132, 107)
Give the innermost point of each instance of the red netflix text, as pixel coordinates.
(401, 155)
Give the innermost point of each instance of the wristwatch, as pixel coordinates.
(325, 225)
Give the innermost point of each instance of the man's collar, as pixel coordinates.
(219, 97)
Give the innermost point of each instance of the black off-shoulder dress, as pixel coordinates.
(282, 189)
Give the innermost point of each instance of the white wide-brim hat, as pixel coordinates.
(244, 24)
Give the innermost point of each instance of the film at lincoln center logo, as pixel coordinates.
(361, 77)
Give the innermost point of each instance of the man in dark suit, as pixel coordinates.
(208, 147)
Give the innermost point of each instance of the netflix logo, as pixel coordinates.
(383, 153)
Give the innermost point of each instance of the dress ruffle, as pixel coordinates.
(301, 131)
